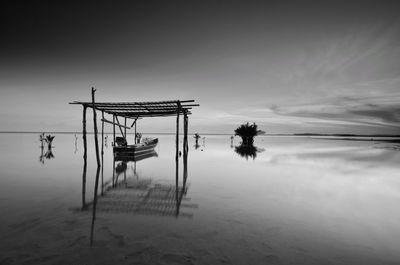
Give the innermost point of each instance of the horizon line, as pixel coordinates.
(211, 133)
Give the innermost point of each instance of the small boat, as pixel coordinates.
(145, 146)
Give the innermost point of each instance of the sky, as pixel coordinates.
(289, 66)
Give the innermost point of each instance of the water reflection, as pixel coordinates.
(134, 194)
(247, 151)
(196, 145)
(121, 167)
(76, 144)
(48, 154)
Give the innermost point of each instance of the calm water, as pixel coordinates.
(300, 201)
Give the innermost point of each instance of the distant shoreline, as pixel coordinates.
(348, 136)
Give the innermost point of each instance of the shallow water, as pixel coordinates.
(299, 201)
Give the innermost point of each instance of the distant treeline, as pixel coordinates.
(346, 135)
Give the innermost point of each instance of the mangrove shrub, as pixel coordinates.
(247, 132)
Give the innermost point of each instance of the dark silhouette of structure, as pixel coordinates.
(133, 111)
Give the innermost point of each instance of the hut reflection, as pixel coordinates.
(135, 194)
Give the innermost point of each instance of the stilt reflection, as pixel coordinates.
(136, 194)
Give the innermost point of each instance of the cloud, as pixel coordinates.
(381, 112)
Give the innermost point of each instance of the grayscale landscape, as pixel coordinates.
(200, 132)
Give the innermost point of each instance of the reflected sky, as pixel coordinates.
(301, 200)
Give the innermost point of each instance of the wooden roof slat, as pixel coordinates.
(136, 110)
(134, 103)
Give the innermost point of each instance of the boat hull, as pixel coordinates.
(136, 148)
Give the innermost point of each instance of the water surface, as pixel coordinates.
(300, 200)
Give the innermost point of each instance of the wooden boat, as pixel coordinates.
(127, 157)
(145, 146)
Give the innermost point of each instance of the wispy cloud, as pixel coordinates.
(378, 112)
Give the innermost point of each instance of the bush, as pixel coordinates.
(247, 132)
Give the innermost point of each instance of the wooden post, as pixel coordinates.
(114, 130)
(96, 141)
(113, 175)
(177, 161)
(185, 132)
(94, 208)
(135, 133)
(102, 152)
(177, 180)
(84, 157)
(177, 130)
(126, 140)
(185, 152)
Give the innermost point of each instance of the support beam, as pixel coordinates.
(177, 132)
(125, 130)
(134, 121)
(102, 152)
(185, 132)
(96, 140)
(135, 134)
(110, 122)
(113, 130)
(84, 158)
(177, 163)
(119, 126)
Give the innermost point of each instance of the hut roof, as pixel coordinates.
(135, 110)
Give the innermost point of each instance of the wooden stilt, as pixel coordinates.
(177, 163)
(102, 153)
(94, 208)
(96, 141)
(185, 132)
(135, 134)
(185, 152)
(113, 130)
(177, 131)
(84, 158)
(113, 175)
(125, 127)
(177, 183)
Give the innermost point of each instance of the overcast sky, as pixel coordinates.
(289, 66)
